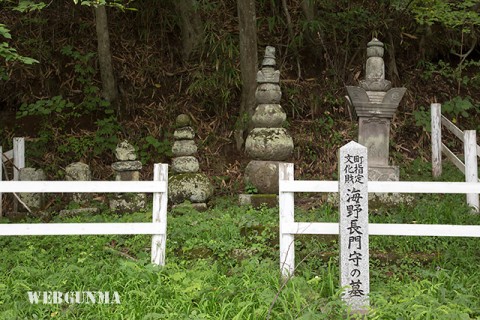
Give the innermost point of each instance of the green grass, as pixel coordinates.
(223, 264)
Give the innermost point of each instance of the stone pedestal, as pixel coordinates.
(374, 134)
(263, 175)
(384, 173)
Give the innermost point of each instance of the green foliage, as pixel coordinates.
(119, 4)
(454, 75)
(106, 135)
(216, 81)
(151, 148)
(422, 119)
(458, 106)
(452, 109)
(10, 54)
(28, 6)
(250, 188)
(57, 115)
(47, 107)
(451, 14)
(223, 264)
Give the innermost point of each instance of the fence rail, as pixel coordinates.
(289, 227)
(470, 147)
(157, 228)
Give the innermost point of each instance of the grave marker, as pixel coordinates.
(354, 251)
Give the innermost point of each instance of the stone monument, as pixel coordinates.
(78, 171)
(186, 182)
(353, 235)
(34, 201)
(375, 103)
(268, 142)
(127, 168)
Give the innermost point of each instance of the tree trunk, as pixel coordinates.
(248, 66)
(110, 91)
(191, 26)
(310, 33)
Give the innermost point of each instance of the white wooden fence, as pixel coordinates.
(157, 228)
(289, 227)
(470, 147)
(17, 156)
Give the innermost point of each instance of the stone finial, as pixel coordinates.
(375, 68)
(268, 74)
(375, 48)
(183, 120)
(125, 152)
(269, 59)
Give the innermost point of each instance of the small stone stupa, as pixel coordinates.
(375, 103)
(127, 168)
(186, 182)
(268, 143)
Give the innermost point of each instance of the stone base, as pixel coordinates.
(128, 202)
(200, 207)
(263, 175)
(78, 212)
(392, 199)
(386, 173)
(258, 200)
(194, 187)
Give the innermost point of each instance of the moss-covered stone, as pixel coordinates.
(195, 187)
(269, 144)
(128, 202)
(182, 120)
(268, 200)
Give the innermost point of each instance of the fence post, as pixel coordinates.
(471, 175)
(286, 212)
(1, 178)
(18, 156)
(18, 163)
(354, 253)
(160, 200)
(436, 124)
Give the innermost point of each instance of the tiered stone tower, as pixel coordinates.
(375, 103)
(268, 143)
(187, 183)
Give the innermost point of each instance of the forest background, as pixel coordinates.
(77, 77)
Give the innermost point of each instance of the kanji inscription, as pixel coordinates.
(354, 255)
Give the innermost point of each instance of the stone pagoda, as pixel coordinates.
(268, 142)
(375, 103)
(127, 168)
(187, 183)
